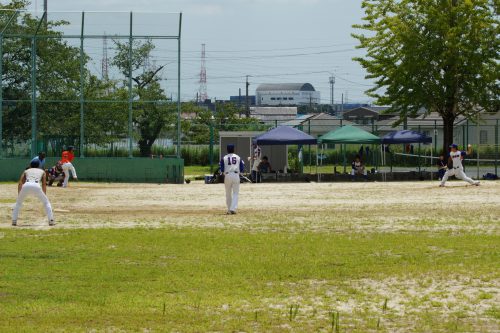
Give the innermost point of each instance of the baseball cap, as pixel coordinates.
(230, 148)
(453, 145)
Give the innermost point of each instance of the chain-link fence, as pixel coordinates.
(107, 83)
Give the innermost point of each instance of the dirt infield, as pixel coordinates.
(322, 207)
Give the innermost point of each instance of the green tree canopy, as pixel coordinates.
(441, 55)
(152, 113)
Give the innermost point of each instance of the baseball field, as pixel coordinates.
(302, 257)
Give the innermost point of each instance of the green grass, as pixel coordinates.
(220, 280)
(198, 170)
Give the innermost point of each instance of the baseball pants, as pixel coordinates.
(232, 185)
(68, 167)
(35, 190)
(358, 172)
(459, 173)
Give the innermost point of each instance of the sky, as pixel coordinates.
(271, 41)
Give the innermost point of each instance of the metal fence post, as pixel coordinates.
(496, 149)
(130, 95)
(435, 136)
(82, 97)
(211, 148)
(1, 95)
(179, 89)
(33, 97)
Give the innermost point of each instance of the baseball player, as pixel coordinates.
(231, 165)
(41, 160)
(457, 169)
(255, 160)
(56, 173)
(29, 184)
(66, 159)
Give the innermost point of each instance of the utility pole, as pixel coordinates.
(342, 106)
(239, 102)
(45, 11)
(247, 106)
(332, 84)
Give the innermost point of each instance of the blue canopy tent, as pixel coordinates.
(405, 137)
(285, 135)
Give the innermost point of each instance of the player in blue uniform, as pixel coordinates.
(457, 169)
(231, 166)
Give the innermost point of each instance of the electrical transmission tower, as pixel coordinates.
(203, 77)
(105, 60)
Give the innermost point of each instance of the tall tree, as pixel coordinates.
(441, 55)
(151, 112)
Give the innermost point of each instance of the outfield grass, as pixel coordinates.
(206, 280)
(198, 170)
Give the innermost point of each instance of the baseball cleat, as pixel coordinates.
(51, 223)
(441, 185)
(477, 183)
(232, 212)
(14, 223)
(228, 212)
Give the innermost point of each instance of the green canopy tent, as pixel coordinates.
(349, 135)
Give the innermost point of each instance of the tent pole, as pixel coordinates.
(317, 160)
(431, 162)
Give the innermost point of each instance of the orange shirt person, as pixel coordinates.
(66, 158)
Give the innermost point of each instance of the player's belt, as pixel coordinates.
(28, 181)
(232, 171)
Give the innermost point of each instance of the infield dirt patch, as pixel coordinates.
(330, 207)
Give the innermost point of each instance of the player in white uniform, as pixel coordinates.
(231, 165)
(456, 158)
(29, 184)
(256, 159)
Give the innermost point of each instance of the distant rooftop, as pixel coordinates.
(285, 87)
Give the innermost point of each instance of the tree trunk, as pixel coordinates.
(448, 123)
(145, 147)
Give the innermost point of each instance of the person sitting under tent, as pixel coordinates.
(264, 165)
(358, 168)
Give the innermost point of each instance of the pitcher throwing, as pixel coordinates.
(457, 170)
(231, 165)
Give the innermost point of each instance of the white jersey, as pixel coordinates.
(257, 152)
(231, 163)
(34, 175)
(456, 157)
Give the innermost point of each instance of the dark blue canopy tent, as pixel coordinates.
(284, 135)
(405, 136)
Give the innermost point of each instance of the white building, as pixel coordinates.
(287, 94)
